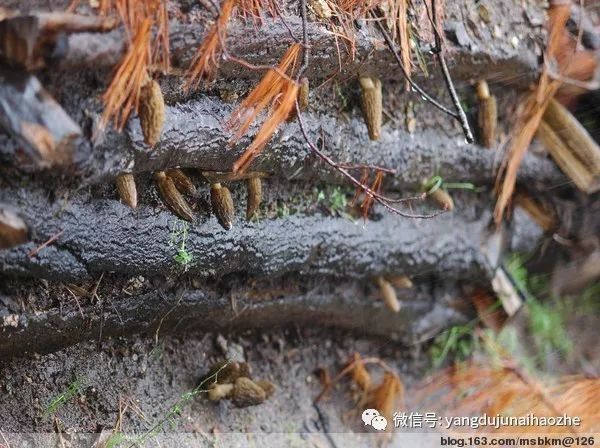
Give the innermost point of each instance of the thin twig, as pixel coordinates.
(211, 4)
(593, 84)
(52, 239)
(360, 166)
(460, 113)
(164, 317)
(7, 445)
(76, 301)
(99, 344)
(94, 292)
(226, 56)
(287, 26)
(306, 49)
(414, 85)
(365, 188)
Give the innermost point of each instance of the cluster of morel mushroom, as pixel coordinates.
(174, 185)
(233, 381)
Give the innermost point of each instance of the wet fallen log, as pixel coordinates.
(38, 123)
(325, 302)
(103, 235)
(194, 136)
(479, 56)
(29, 41)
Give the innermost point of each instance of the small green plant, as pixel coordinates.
(334, 199)
(547, 327)
(515, 267)
(337, 201)
(458, 342)
(177, 239)
(343, 101)
(590, 298)
(465, 105)
(116, 439)
(282, 210)
(57, 402)
(436, 182)
(546, 319)
(170, 418)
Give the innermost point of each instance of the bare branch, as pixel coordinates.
(460, 113)
(384, 201)
(414, 85)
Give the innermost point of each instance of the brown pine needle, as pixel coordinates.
(488, 311)
(262, 95)
(475, 388)
(276, 91)
(282, 110)
(161, 55)
(385, 396)
(364, 178)
(369, 200)
(123, 93)
(344, 13)
(206, 60)
(530, 116)
(360, 375)
(399, 28)
(252, 9)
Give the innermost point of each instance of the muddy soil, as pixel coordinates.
(150, 376)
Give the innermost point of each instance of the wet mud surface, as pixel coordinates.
(154, 375)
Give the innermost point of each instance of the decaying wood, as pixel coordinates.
(576, 137)
(30, 40)
(13, 230)
(30, 114)
(565, 158)
(298, 243)
(371, 100)
(218, 177)
(542, 215)
(207, 309)
(529, 115)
